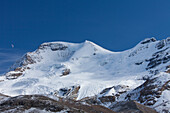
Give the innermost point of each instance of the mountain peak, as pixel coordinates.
(80, 70)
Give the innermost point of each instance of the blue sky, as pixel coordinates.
(113, 24)
(8, 57)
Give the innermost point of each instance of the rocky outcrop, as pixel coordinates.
(13, 75)
(42, 103)
(148, 40)
(96, 100)
(65, 72)
(160, 57)
(53, 46)
(163, 43)
(103, 98)
(117, 90)
(151, 90)
(28, 59)
(68, 92)
(107, 99)
(130, 107)
(168, 69)
(20, 66)
(16, 73)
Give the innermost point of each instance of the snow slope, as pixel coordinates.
(90, 66)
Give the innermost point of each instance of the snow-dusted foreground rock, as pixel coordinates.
(87, 72)
(45, 104)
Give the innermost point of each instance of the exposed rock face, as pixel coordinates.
(96, 100)
(20, 66)
(13, 75)
(149, 92)
(53, 46)
(130, 107)
(104, 98)
(160, 57)
(16, 73)
(163, 43)
(148, 40)
(28, 59)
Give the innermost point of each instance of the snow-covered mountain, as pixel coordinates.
(80, 71)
